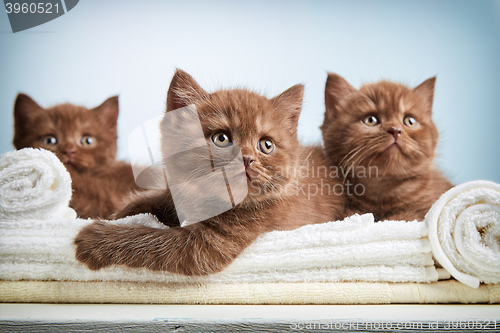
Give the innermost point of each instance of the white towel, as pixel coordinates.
(34, 184)
(464, 231)
(356, 249)
(36, 240)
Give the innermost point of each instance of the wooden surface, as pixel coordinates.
(247, 318)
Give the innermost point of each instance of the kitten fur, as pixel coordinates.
(210, 245)
(393, 161)
(85, 142)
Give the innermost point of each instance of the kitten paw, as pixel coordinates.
(90, 249)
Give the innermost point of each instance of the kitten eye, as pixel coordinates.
(266, 146)
(88, 141)
(221, 140)
(49, 140)
(371, 121)
(410, 121)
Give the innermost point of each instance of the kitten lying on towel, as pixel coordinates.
(383, 139)
(85, 141)
(280, 197)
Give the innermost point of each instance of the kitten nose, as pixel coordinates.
(395, 131)
(69, 151)
(247, 160)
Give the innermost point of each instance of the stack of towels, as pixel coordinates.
(37, 246)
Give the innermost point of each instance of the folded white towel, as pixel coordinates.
(356, 249)
(464, 231)
(355, 241)
(34, 184)
(36, 240)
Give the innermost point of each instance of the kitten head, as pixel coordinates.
(383, 124)
(81, 138)
(235, 124)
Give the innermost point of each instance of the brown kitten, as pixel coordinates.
(265, 131)
(383, 139)
(85, 142)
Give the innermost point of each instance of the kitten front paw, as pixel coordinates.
(89, 246)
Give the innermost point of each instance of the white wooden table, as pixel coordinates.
(247, 318)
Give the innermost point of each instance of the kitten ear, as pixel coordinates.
(183, 91)
(426, 91)
(336, 89)
(108, 112)
(291, 101)
(24, 107)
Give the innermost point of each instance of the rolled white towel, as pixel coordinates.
(464, 231)
(34, 184)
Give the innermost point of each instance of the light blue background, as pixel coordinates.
(131, 48)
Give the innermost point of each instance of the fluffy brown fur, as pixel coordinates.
(383, 138)
(210, 245)
(85, 142)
